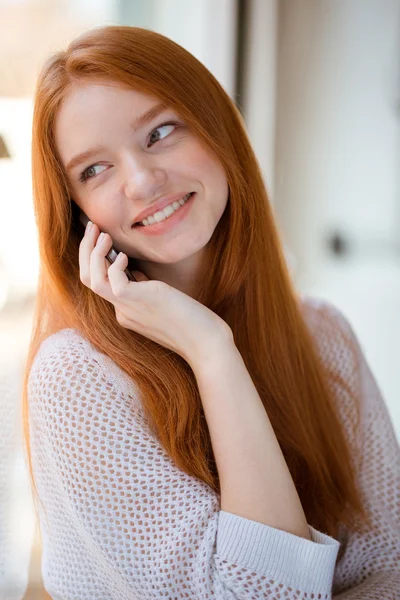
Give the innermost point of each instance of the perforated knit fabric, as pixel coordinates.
(123, 522)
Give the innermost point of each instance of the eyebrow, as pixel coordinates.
(137, 124)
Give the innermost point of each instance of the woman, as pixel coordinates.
(201, 432)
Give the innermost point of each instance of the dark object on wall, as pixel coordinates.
(338, 244)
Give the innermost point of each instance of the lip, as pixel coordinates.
(159, 206)
(164, 227)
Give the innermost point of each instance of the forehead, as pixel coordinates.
(88, 107)
(85, 99)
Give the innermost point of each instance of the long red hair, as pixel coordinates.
(244, 279)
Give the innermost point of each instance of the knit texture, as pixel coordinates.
(121, 521)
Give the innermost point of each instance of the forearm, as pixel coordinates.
(254, 477)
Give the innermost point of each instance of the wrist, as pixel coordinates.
(212, 347)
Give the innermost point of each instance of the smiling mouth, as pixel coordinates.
(140, 224)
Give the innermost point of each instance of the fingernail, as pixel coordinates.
(101, 238)
(89, 226)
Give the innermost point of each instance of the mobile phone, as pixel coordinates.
(113, 253)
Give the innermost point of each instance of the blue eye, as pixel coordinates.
(170, 123)
(85, 175)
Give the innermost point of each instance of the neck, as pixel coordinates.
(179, 275)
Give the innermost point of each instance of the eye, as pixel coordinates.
(90, 172)
(86, 173)
(169, 124)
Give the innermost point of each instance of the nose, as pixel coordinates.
(141, 177)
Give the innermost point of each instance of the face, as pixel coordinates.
(132, 168)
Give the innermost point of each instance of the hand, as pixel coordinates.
(152, 308)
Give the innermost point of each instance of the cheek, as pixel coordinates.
(211, 175)
(105, 217)
(208, 166)
(196, 159)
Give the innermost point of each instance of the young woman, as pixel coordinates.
(201, 432)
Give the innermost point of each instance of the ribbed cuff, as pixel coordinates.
(285, 557)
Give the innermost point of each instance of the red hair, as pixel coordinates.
(244, 279)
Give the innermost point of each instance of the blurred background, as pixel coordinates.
(318, 84)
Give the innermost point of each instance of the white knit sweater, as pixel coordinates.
(123, 522)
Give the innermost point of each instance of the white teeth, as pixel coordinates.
(158, 217)
(165, 212)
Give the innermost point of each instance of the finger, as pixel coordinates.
(99, 266)
(85, 250)
(117, 278)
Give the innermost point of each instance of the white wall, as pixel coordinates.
(337, 164)
(205, 28)
(259, 97)
(18, 246)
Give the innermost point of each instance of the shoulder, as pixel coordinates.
(332, 333)
(62, 343)
(68, 358)
(320, 314)
(341, 357)
(63, 354)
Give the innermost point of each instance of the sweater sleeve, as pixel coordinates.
(119, 520)
(368, 566)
